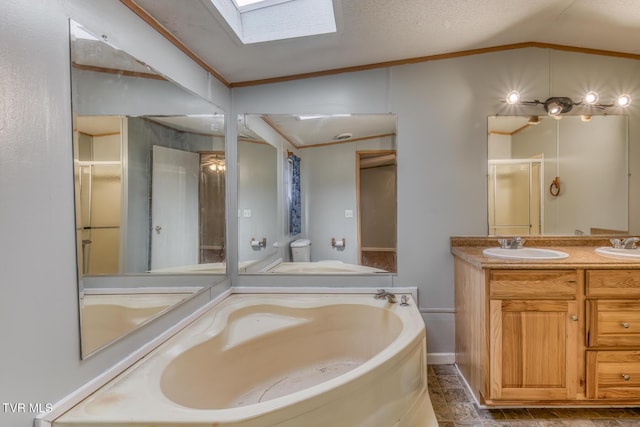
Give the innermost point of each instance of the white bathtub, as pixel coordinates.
(323, 267)
(277, 360)
(206, 268)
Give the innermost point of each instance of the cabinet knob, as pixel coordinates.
(574, 318)
(625, 325)
(626, 377)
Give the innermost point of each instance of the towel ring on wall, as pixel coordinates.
(554, 188)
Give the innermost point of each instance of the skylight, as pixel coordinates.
(255, 21)
(248, 5)
(241, 3)
(245, 5)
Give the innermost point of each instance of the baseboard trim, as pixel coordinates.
(441, 358)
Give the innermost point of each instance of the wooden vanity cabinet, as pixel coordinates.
(613, 334)
(518, 333)
(554, 335)
(533, 335)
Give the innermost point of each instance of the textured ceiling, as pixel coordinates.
(375, 31)
(324, 130)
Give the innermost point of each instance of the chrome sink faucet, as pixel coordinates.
(382, 294)
(515, 243)
(630, 242)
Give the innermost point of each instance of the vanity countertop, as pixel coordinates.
(581, 252)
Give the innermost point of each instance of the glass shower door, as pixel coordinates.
(515, 202)
(99, 208)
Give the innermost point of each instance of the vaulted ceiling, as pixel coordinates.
(374, 32)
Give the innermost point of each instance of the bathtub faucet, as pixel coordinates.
(381, 294)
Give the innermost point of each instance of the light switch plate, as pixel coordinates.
(348, 213)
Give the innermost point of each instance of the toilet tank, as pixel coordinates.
(301, 250)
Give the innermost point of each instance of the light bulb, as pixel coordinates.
(623, 100)
(554, 108)
(513, 97)
(591, 98)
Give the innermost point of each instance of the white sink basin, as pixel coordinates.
(524, 253)
(619, 252)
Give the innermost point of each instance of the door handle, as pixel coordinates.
(158, 228)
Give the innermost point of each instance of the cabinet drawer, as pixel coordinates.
(613, 283)
(613, 374)
(532, 284)
(613, 323)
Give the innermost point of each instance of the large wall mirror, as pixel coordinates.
(317, 193)
(558, 176)
(149, 173)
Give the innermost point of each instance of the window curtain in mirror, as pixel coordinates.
(295, 202)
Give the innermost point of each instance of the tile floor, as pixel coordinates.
(455, 407)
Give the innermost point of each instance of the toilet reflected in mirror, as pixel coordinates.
(301, 250)
(334, 181)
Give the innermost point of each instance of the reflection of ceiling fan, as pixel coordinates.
(213, 163)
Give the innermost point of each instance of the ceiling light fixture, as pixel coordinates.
(557, 105)
(343, 136)
(311, 116)
(215, 163)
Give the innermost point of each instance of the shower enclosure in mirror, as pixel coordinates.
(149, 174)
(317, 193)
(557, 176)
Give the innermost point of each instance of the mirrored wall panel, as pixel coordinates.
(558, 176)
(149, 174)
(317, 194)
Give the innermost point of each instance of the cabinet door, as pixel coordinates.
(533, 346)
